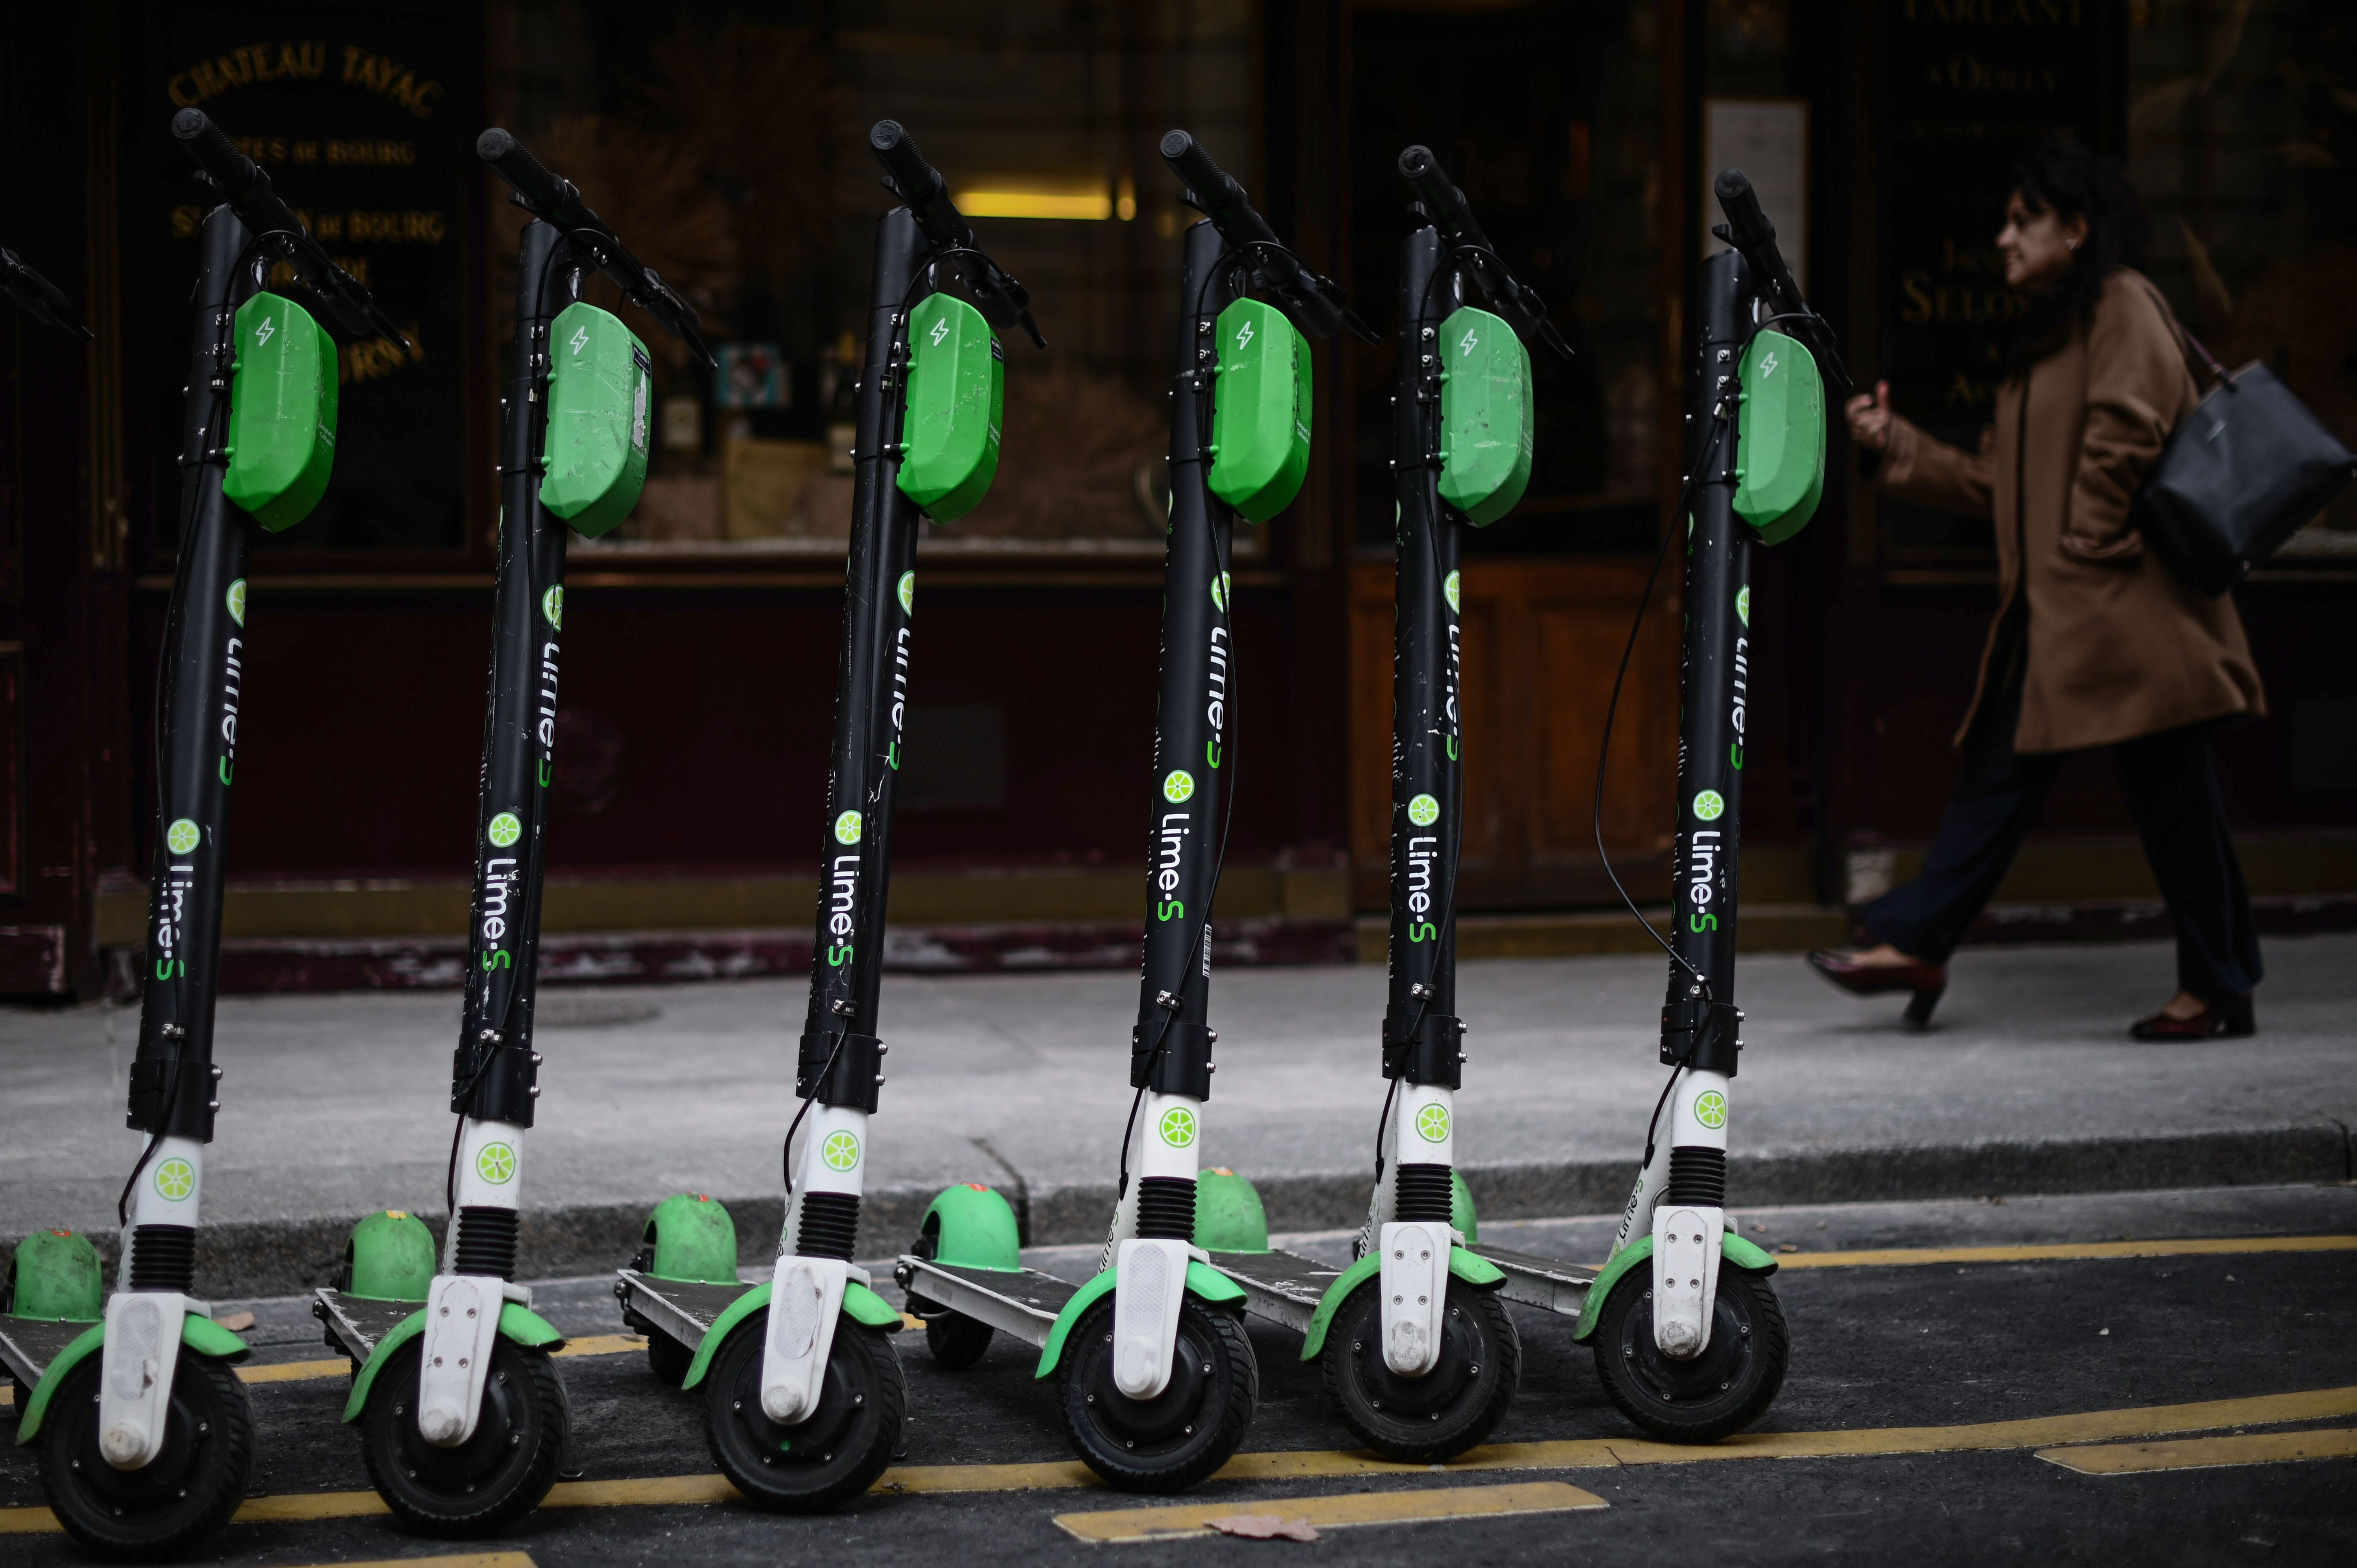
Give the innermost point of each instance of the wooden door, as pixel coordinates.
(1541, 639)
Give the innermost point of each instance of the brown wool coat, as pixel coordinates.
(2118, 647)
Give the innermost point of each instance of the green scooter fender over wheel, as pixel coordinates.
(169, 1507)
(499, 1474)
(823, 1462)
(54, 1275)
(689, 1237)
(1446, 1411)
(1182, 1434)
(969, 1225)
(1228, 1217)
(389, 1256)
(1713, 1395)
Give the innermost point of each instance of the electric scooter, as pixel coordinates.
(462, 1417)
(143, 1433)
(1419, 1353)
(803, 1393)
(1157, 1375)
(1689, 1340)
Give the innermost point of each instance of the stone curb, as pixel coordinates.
(262, 1258)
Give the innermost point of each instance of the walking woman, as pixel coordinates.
(2096, 642)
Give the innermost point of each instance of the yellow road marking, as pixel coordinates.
(1582, 1454)
(601, 1345)
(464, 1560)
(1178, 1522)
(294, 1372)
(2207, 1453)
(2068, 1252)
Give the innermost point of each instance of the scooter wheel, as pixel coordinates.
(170, 1506)
(1719, 1393)
(813, 1464)
(956, 1340)
(669, 1360)
(1451, 1408)
(1182, 1434)
(485, 1483)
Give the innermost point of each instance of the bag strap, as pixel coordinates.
(2197, 357)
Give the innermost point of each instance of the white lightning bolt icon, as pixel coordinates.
(1243, 334)
(941, 330)
(580, 337)
(1469, 343)
(1768, 365)
(261, 333)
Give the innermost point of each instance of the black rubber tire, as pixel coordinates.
(956, 1340)
(861, 1404)
(1183, 1434)
(171, 1506)
(1719, 1393)
(490, 1481)
(1449, 1409)
(669, 1360)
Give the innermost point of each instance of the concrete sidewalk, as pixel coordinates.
(334, 1105)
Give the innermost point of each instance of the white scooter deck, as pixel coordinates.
(27, 1345)
(355, 1324)
(1283, 1288)
(679, 1310)
(1024, 1305)
(1548, 1283)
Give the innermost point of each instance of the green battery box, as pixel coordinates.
(1485, 415)
(600, 384)
(1779, 437)
(1260, 412)
(957, 396)
(282, 411)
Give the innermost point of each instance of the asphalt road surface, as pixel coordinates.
(1970, 1383)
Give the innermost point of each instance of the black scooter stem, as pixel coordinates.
(1422, 1034)
(871, 706)
(1171, 1045)
(203, 687)
(1699, 1021)
(493, 1071)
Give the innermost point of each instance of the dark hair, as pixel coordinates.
(2070, 181)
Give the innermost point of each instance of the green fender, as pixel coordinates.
(1471, 1267)
(972, 1227)
(860, 1304)
(517, 1322)
(1203, 1280)
(202, 1335)
(1733, 1252)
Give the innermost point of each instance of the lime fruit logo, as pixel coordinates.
(237, 601)
(504, 830)
(1180, 785)
(1178, 1127)
(496, 1164)
(183, 836)
(908, 589)
(841, 1151)
(1449, 590)
(846, 828)
(176, 1179)
(1432, 1123)
(1743, 605)
(1424, 810)
(1219, 590)
(1708, 805)
(1710, 1108)
(552, 608)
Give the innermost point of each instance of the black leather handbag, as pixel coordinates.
(2246, 470)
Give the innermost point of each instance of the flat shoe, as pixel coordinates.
(2231, 1016)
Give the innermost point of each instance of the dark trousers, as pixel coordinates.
(2173, 787)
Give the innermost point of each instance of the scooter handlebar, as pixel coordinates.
(1004, 302)
(1748, 230)
(1449, 209)
(1315, 302)
(557, 201)
(245, 186)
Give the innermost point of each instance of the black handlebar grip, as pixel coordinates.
(231, 169)
(540, 191)
(1188, 159)
(1741, 204)
(916, 179)
(1422, 171)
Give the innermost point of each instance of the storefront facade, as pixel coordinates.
(699, 681)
